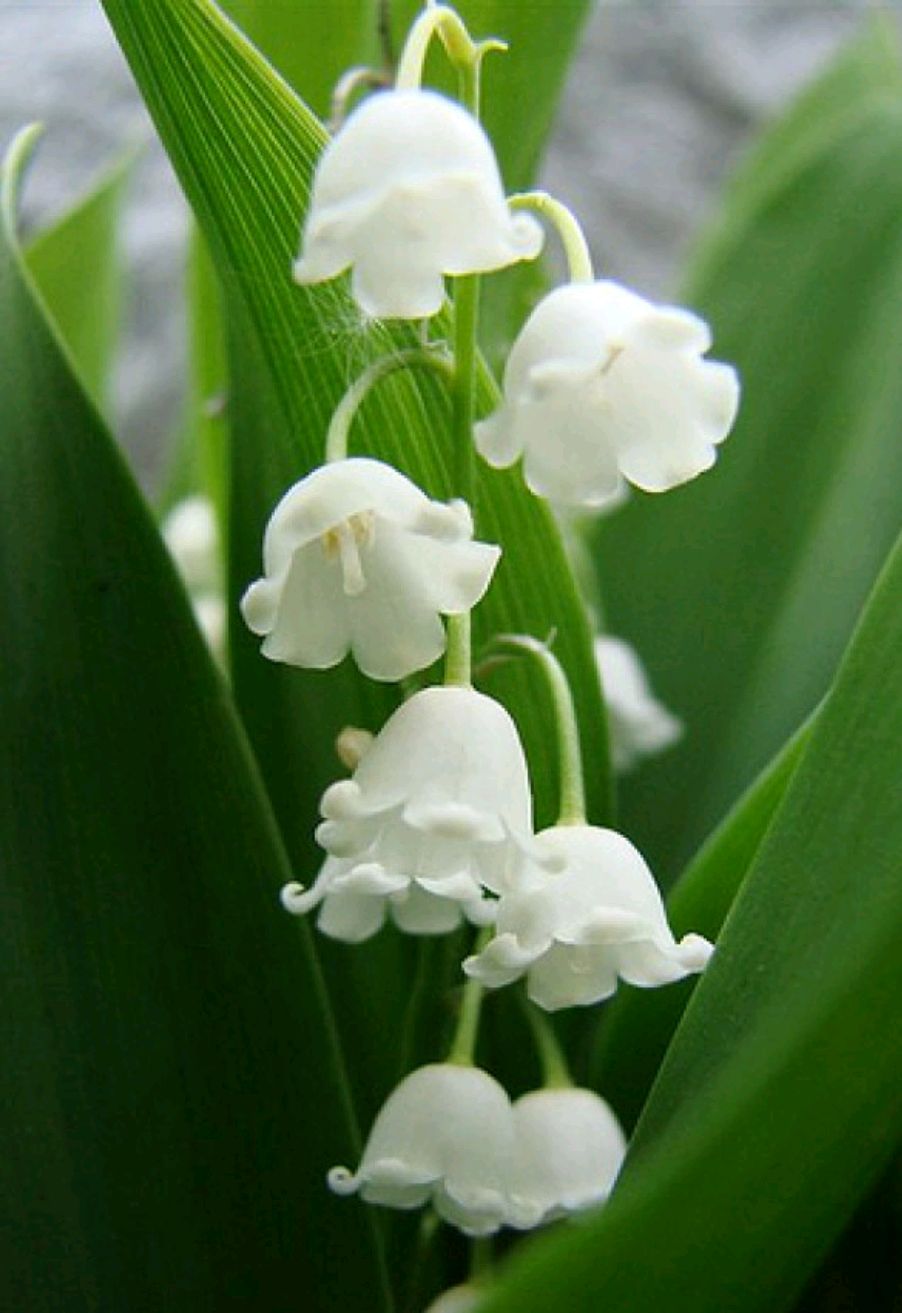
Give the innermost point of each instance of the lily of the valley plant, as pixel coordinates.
(433, 832)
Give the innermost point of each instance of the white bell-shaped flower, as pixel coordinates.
(568, 1150)
(408, 191)
(638, 724)
(445, 1135)
(438, 810)
(357, 558)
(602, 385)
(575, 930)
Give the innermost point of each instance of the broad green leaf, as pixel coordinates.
(781, 1096)
(245, 148)
(639, 1024)
(172, 1087)
(740, 590)
(76, 266)
(199, 462)
(312, 43)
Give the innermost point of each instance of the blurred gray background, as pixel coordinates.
(661, 102)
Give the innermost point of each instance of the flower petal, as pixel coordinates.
(422, 912)
(501, 962)
(351, 917)
(310, 626)
(567, 977)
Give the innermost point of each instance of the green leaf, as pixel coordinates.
(742, 588)
(172, 1086)
(781, 1097)
(311, 44)
(199, 460)
(245, 149)
(638, 1025)
(76, 266)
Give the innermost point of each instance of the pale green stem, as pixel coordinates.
(466, 318)
(347, 408)
(463, 1046)
(347, 87)
(466, 325)
(458, 655)
(573, 798)
(555, 1072)
(573, 239)
(442, 21)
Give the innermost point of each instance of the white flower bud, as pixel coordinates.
(358, 558)
(438, 810)
(445, 1135)
(407, 192)
(575, 930)
(191, 534)
(568, 1150)
(602, 386)
(351, 744)
(639, 725)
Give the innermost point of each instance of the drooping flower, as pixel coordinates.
(192, 536)
(445, 1135)
(357, 558)
(408, 191)
(438, 810)
(602, 385)
(568, 1151)
(639, 725)
(575, 930)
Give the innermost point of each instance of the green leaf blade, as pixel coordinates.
(781, 1097)
(76, 266)
(246, 155)
(170, 1030)
(744, 586)
(638, 1025)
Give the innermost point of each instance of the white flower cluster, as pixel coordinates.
(450, 1136)
(434, 828)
